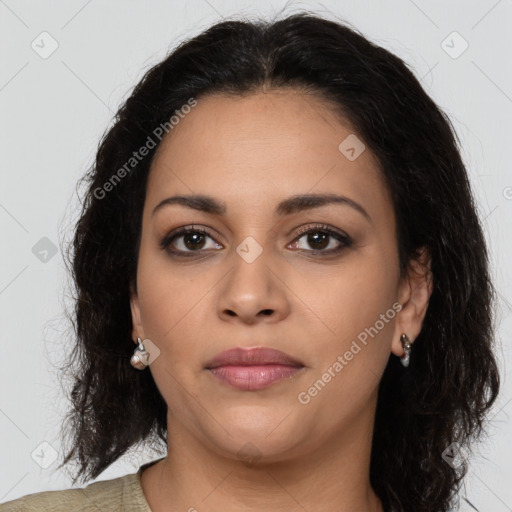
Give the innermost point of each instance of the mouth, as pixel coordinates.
(253, 369)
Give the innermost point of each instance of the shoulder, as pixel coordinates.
(108, 496)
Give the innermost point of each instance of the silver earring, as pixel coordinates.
(406, 344)
(140, 357)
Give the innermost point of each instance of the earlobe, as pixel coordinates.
(414, 295)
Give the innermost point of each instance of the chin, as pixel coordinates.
(254, 445)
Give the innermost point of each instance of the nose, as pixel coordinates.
(253, 292)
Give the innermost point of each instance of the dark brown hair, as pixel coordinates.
(452, 380)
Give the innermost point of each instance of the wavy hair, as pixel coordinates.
(444, 395)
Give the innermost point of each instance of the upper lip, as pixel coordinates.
(252, 356)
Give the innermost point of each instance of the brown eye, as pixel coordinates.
(187, 241)
(321, 239)
(318, 241)
(193, 240)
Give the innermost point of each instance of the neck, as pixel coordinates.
(331, 476)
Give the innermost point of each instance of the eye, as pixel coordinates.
(187, 240)
(322, 239)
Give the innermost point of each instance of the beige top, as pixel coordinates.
(123, 494)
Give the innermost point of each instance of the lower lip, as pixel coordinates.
(250, 378)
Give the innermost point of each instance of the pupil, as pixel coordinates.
(197, 237)
(313, 240)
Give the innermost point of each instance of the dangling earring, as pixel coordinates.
(406, 344)
(140, 357)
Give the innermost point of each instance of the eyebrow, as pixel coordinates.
(291, 205)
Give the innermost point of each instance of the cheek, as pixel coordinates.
(354, 297)
(358, 322)
(355, 307)
(173, 308)
(162, 295)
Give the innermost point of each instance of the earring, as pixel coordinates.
(406, 344)
(140, 357)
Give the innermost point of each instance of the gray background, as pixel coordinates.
(55, 107)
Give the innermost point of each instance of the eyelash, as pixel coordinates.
(344, 239)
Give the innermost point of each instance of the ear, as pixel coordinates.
(137, 329)
(414, 294)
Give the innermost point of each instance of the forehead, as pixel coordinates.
(261, 147)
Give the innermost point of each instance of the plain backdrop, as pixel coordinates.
(65, 68)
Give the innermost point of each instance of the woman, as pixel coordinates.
(280, 236)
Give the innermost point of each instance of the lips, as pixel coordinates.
(253, 369)
(258, 356)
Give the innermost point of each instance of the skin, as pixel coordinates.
(251, 153)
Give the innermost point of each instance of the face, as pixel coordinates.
(315, 280)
